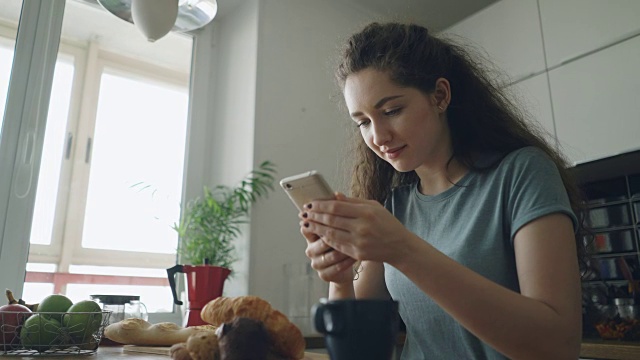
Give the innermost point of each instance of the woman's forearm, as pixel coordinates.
(341, 291)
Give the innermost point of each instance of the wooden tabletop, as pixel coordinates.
(116, 352)
(618, 350)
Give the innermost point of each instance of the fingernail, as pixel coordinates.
(304, 215)
(306, 224)
(308, 206)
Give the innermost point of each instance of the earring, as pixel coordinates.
(441, 107)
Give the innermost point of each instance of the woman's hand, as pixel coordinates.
(331, 265)
(359, 229)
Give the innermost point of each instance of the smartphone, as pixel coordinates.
(306, 187)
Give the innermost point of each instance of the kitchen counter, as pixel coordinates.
(116, 352)
(590, 348)
(618, 350)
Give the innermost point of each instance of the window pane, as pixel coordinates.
(6, 60)
(52, 154)
(155, 298)
(9, 15)
(41, 267)
(33, 293)
(139, 142)
(123, 271)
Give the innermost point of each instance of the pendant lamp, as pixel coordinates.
(155, 18)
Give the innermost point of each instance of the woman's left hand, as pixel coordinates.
(361, 229)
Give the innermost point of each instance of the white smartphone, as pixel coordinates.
(306, 187)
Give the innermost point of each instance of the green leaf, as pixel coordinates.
(210, 224)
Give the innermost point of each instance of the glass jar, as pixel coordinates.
(626, 308)
(122, 306)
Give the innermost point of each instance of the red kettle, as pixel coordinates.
(204, 283)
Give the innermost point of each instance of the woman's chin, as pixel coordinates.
(401, 167)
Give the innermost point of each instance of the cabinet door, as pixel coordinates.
(576, 27)
(596, 102)
(533, 94)
(509, 31)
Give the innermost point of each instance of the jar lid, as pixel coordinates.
(115, 299)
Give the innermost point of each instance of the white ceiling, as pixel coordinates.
(86, 21)
(434, 14)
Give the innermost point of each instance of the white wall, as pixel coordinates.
(223, 111)
(232, 114)
(298, 121)
(274, 99)
(575, 64)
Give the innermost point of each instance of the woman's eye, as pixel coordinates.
(392, 112)
(363, 123)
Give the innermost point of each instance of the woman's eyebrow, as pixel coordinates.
(379, 104)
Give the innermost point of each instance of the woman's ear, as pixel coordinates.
(442, 94)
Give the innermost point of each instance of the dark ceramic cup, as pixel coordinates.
(358, 329)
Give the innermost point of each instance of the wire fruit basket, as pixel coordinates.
(51, 333)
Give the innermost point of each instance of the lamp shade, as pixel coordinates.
(154, 18)
(192, 14)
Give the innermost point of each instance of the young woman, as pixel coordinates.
(479, 235)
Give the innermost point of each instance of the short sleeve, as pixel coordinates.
(535, 188)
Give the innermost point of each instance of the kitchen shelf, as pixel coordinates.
(612, 189)
(614, 255)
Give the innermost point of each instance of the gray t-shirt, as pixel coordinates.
(474, 223)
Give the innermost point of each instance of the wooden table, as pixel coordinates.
(115, 352)
(618, 350)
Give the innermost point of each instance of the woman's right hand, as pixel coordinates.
(331, 265)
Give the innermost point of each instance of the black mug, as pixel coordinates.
(358, 328)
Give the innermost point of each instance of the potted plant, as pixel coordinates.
(211, 223)
(207, 229)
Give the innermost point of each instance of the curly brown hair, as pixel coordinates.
(482, 116)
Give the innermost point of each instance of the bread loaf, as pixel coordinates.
(136, 331)
(285, 338)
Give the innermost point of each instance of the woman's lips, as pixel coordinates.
(394, 153)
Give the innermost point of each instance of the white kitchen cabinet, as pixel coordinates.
(576, 27)
(509, 31)
(596, 102)
(533, 94)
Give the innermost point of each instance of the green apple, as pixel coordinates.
(82, 320)
(54, 303)
(40, 333)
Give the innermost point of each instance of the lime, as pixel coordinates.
(82, 320)
(40, 333)
(54, 303)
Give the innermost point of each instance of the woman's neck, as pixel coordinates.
(439, 178)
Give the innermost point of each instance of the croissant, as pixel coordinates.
(285, 337)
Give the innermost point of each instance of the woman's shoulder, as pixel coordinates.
(528, 156)
(525, 153)
(526, 162)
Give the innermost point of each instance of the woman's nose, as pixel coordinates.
(381, 135)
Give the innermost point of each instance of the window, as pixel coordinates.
(9, 15)
(110, 177)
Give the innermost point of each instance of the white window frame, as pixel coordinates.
(23, 131)
(76, 171)
(38, 38)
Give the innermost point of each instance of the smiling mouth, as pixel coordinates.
(394, 153)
